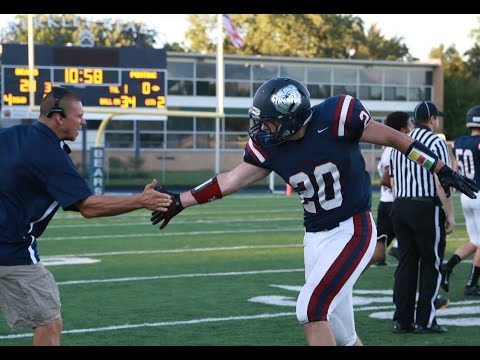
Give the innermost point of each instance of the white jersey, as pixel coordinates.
(386, 192)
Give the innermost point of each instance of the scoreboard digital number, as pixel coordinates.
(125, 85)
(100, 87)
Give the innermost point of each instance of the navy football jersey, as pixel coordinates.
(466, 150)
(36, 178)
(326, 167)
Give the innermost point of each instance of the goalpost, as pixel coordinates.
(97, 153)
(276, 185)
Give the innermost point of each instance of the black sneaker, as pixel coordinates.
(399, 329)
(472, 290)
(393, 252)
(381, 263)
(441, 302)
(434, 329)
(446, 272)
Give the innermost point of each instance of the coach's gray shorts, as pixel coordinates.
(29, 296)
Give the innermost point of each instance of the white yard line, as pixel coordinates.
(169, 251)
(142, 223)
(159, 324)
(179, 276)
(166, 234)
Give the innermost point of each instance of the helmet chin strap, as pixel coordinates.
(307, 120)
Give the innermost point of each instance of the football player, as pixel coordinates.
(316, 150)
(466, 150)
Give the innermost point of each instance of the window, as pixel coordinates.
(396, 76)
(119, 140)
(177, 69)
(151, 126)
(149, 140)
(237, 72)
(205, 141)
(420, 77)
(264, 72)
(206, 124)
(180, 87)
(93, 124)
(256, 85)
(344, 76)
(395, 93)
(370, 76)
(317, 74)
(318, 91)
(206, 70)
(416, 94)
(120, 125)
(207, 88)
(179, 124)
(239, 124)
(294, 72)
(235, 141)
(180, 141)
(151, 133)
(239, 88)
(370, 93)
(345, 89)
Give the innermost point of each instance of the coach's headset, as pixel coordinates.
(59, 92)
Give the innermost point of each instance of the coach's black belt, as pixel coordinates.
(431, 200)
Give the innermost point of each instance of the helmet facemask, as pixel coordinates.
(286, 127)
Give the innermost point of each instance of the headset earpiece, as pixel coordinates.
(58, 92)
(56, 110)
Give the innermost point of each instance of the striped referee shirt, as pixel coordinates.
(410, 178)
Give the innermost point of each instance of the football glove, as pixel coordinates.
(449, 178)
(174, 209)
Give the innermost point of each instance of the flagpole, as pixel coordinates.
(220, 90)
(31, 60)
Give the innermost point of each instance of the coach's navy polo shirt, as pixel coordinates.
(36, 177)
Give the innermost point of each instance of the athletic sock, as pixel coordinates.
(454, 261)
(473, 277)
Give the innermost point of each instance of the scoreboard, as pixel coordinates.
(128, 78)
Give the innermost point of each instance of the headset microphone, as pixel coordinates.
(66, 148)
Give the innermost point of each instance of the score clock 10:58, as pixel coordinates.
(97, 87)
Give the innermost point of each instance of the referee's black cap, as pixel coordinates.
(427, 109)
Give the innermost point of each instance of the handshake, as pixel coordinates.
(174, 209)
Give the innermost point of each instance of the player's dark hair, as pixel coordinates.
(397, 120)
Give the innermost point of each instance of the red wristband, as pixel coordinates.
(208, 191)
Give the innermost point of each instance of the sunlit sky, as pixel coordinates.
(420, 32)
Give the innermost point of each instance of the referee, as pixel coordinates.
(421, 224)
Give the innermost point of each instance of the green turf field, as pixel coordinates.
(225, 273)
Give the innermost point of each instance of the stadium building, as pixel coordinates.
(186, 144)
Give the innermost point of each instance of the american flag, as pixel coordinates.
(232, 31)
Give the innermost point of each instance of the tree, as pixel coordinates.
(473, 60)
(475, 33)
(299, 35)
(376, 46)
(62, 29)
(461, 90)
(175, 46)
(198, 33)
